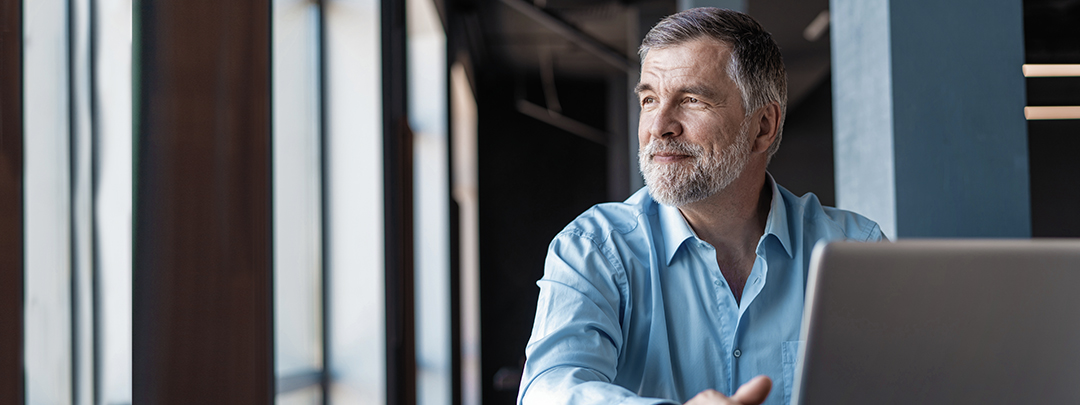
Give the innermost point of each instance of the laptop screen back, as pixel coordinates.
(942, 322)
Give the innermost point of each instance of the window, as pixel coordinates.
(328, 215)
(77, 95)
(328, 171)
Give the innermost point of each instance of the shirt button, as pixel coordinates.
(717, 282)
(737, 353)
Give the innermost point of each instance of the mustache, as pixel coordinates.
(671, 147)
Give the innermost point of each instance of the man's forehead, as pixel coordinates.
(701, 48)
(696, 62)
(697, 55)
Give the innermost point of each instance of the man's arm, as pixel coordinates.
(577, 335)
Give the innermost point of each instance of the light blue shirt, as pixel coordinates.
(633, 308)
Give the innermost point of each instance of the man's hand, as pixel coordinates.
(751, 393)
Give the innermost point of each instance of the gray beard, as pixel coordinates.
(682, 183)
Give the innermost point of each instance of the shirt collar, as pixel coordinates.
(777, 224)
(676, 230)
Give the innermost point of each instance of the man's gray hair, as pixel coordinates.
(756, 66)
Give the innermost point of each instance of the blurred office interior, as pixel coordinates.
(350, 201)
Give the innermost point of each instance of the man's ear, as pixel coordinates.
(768, 121)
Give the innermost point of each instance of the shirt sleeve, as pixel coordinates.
(577, 334)
(875, 234)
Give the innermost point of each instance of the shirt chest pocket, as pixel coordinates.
(789, 355)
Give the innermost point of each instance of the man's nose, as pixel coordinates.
(665, 123)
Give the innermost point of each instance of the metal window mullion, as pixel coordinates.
(95, 181)
(324, 204)
(81, 203)
(72, 253)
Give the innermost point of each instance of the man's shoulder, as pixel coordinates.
(603, 220)
(832, 222)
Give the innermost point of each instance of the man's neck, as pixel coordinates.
(734, 217)
(732, 221)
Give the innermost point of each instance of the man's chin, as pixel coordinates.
(674, 196)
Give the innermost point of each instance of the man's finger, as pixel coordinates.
(754, 391)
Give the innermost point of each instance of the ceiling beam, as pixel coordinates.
(573, 34)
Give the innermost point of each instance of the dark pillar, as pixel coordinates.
(11, 203)
(398, 207)
(202, 319)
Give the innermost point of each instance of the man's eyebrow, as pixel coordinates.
(700, 90)
(642, 87)
(703, 91)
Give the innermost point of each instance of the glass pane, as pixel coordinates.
(113, 199)
(354, 158)
(48, 209)
(297, 210)
(307, 396)
(466, 194)
(427, 117)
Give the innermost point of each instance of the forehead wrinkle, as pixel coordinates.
(678, 72)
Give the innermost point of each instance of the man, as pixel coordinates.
(693, 286)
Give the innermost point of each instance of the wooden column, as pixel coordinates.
(202, 319)
(11, 204)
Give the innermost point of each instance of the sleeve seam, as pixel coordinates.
(621, 280)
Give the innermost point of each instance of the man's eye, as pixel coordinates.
(691, 100)
(647, 100)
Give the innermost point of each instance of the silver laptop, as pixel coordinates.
(942, 322)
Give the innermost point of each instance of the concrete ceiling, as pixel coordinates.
(531, 36)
